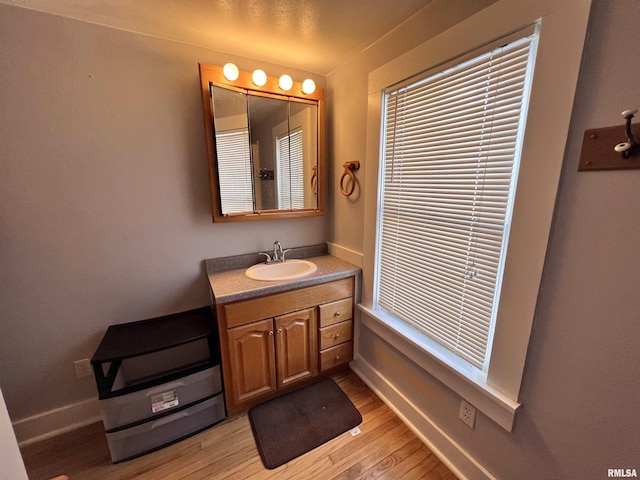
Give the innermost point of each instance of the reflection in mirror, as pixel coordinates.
(265, 148)
(232, 150)
(303, 145)
(268, 117)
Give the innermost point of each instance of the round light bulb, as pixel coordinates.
(285, 82)
(231, 72)
(308, 86)
(259, 77)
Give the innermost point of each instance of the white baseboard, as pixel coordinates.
(59, 420)
(460, 462)
(345, 254)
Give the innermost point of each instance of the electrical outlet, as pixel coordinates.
(83, 368)
(467, 414)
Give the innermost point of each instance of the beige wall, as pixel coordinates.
(581, 383)
(347, 116)
(104, 196)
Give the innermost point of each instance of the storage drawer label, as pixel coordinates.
(163, 401)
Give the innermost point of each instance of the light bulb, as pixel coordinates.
(259, 77)
(285, 82)
(231, 72)
(308, 86)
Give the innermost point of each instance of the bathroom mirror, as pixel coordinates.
(264, 147)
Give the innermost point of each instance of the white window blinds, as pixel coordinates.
(290, 170)
(234, 171)
(450, 156)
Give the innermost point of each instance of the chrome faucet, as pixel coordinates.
(278, 255)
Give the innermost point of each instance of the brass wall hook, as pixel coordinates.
(349, 168)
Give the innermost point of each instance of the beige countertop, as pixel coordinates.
(231, 285)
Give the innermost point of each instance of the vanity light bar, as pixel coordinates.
(259, 78)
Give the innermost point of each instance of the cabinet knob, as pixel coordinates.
(337, 314)
(279, 330)
(337, 357)
(270, 332)
(337, 335)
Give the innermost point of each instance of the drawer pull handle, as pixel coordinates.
(337, 314)
(337, 335)
(164, 388)
(169, 419)
(337, 357)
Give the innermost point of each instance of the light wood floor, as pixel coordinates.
(385, 449)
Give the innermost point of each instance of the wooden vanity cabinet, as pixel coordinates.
(269, 343)
(272, 353)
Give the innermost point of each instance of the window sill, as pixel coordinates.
(438, 362)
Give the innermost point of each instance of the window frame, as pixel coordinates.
(563, 26)
(528, 36)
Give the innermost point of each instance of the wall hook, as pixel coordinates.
(625, 149)
(349, 168)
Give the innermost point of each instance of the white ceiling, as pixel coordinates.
(312, 35)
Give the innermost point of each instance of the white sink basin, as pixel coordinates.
(281, 270)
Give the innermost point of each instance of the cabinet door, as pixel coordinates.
(251, 351)
(296, 346)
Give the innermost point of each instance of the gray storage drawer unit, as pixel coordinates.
(148, 436)
(150, 402)
(159, 381)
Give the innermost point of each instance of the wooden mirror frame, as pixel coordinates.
(213, 74)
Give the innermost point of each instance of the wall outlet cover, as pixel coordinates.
(468, 414)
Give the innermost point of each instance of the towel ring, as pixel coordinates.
(349, 168)
(314, 180)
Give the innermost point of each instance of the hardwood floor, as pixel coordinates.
(385, 449)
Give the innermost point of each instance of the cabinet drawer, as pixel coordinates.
(336, 334)
(247, 311)
(335, 356)
(145, 404)
(336, 312)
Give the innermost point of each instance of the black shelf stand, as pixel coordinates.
(135, 339)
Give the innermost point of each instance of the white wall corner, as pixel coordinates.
(452, 454)
(57, 421)
(345, 254)
(11, 464)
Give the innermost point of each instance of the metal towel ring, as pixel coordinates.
(349, 168)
